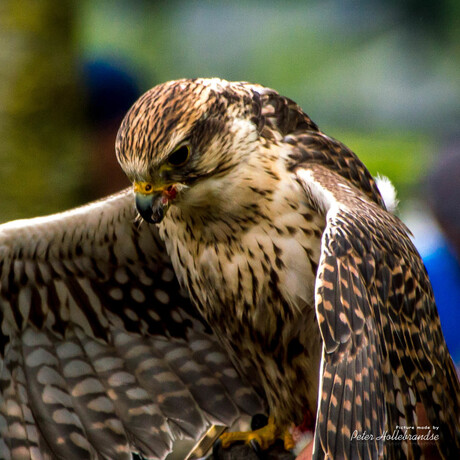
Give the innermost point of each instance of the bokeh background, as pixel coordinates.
(380, 75)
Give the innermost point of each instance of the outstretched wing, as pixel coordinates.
(101, 353)
(383, 349)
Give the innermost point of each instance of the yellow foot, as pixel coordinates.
(264, 436)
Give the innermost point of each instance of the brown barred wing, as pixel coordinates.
(101, 352)
(384, 354)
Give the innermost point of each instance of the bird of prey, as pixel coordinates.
(295, 289)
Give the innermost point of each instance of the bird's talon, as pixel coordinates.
(289, 443)
(216, 448)
(264, 437)
(256, 448)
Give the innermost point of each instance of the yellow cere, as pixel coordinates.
(144, 188)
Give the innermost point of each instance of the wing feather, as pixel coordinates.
(101, 352)
(383, 349)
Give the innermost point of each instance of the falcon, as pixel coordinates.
(295, 290)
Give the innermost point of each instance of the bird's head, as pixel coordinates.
(181, 134)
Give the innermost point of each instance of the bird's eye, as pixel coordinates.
(180, 156)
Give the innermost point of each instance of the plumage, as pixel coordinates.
(102, 353)
(293, 277)
(282, 239)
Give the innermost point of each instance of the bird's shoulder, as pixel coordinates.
(283, 126)
(375, 308)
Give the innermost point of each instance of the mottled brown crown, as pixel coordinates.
(174, 112)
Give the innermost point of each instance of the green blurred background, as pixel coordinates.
(381, 76)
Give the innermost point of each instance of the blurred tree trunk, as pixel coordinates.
(40, 143)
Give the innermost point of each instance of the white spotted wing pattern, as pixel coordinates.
(101, 352)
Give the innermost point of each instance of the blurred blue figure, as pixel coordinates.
(442, 260)
(110, 91)
(444, 271)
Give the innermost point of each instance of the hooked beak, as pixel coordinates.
(151, 203)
